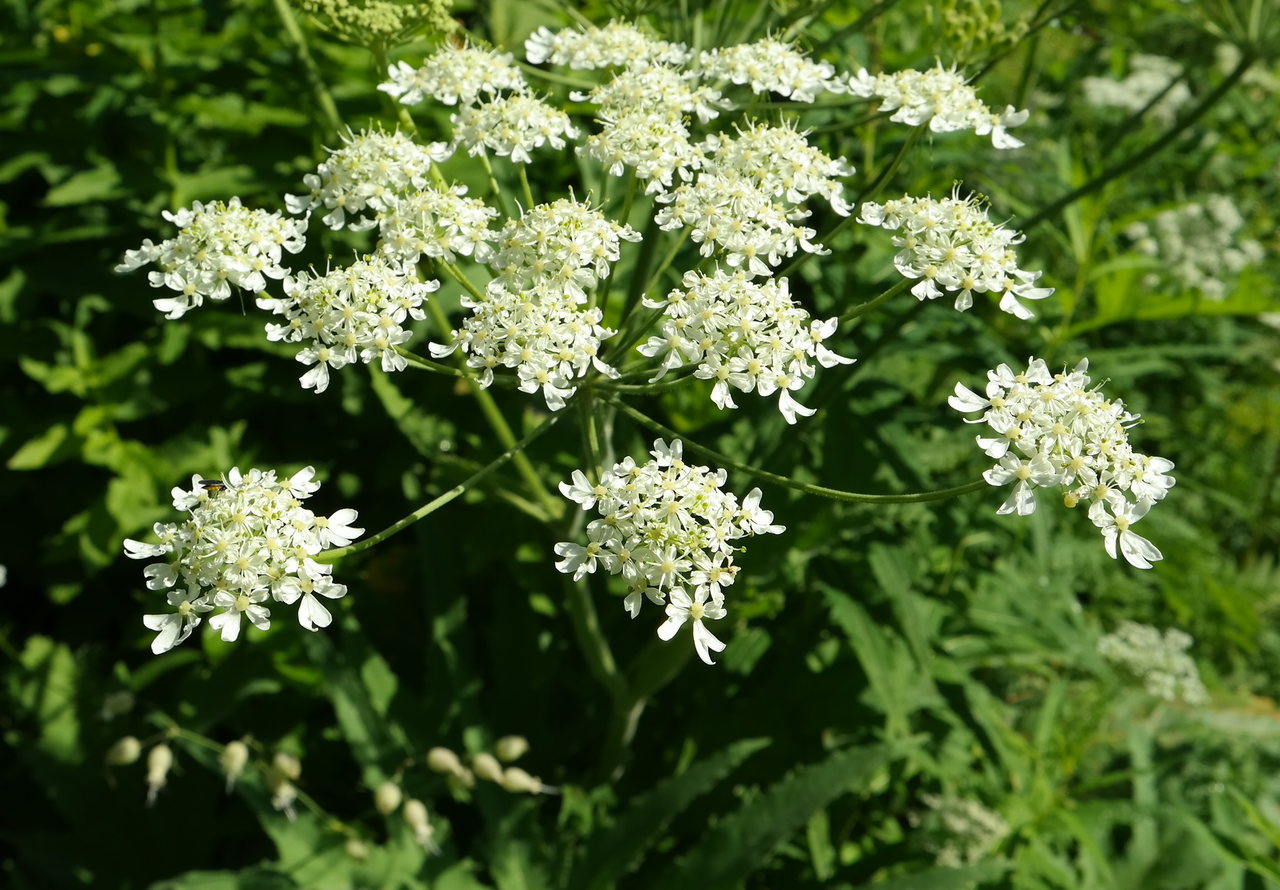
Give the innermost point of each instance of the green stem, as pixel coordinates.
(1149, 151)
(457, 275)
(514, 452)
(524, 187)
(323, 96)
(645, 388)
(592, 642)
(666, 260)
(916, 497)
(498, 196)
(556, 77)
(417, 361)
(859, 311)
(489, 407)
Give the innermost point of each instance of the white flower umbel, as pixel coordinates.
(542, 333)
(667, 527)
(218, 245)
(1159, 660)
(772, 65)
(454, 75)
(1053, 431)
(247, 542)
(440, 223)
(348, 315)
(743, 335)
(368, 173)
(940, 98)
(951, 245)
(615, 45)
(655, 144)
(1198, 246)
(655, 89)
(1150, 87)
(511, 126)
(781, 162)
(564, 245)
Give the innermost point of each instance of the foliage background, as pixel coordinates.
(881, 655)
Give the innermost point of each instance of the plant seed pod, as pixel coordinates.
(387, 798)
(415, 814)
(443, 760)
(288, 765)
(124, 752)
(486, 767)
(159, 759)
(517, 780)
(511, 747)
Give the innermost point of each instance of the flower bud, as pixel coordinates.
(1070, 499)
(159, 759)
(124, 752)
(232, 760)
(517, 781)
(442, 760)
(356, 849)
(288, 765)
(511, 747)
(486, 767)
(387, 798)
(462, 781)
(415, 814)
(283, 794)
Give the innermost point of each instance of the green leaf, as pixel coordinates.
(943, 878)
(889, 670)
(611, 854)
(741, 842)
(47, 448)
(84, 187)
(256, 878)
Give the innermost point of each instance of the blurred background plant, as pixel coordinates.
(914, 696)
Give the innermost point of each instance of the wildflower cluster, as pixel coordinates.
(246, 542)
(1159, 660)
(438, 223)
(941, 98)
(962, 831)
(774, 66)
(511, 127)
(743, 335)
(369, 172)
(615, 45)
(951, 245)
(1053, 431)
(1152, 85)
(352, 314)
(1198, 246)
(218, 245)
(454, 75)
(667, 528)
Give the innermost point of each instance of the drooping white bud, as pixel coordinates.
(124, 752)
(486, 767)
(232, 760)
(159, 760)
(518, 781)
(443, 760)
(511, 747)
(387, 797)
(415, 814)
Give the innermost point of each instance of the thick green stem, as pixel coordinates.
(551, 505)
(1166, 139)
(836, 494)
(524, 187)
(859, 311)
(515, 451)
(323, 96)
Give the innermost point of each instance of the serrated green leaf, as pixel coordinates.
(742, 841)
(611, 854)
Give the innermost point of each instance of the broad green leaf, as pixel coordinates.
(741, 842)
(890, 671)
(98, 184)
(51, 446)
(610, 854)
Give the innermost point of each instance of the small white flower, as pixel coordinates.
(1115, 521)
(682, 609)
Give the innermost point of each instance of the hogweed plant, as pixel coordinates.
(719, 180)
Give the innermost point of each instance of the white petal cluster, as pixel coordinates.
(438, 223)
(667, 528)
(545, 335)
(951, 245)
(511, 126)
(246, 543)
(781, 162)
(348, 315)
(565, 245)
(773, 66)
(218, 245)
(368, 172)
(655, 89)
(743, 335)
(1159, 660)
(968, 830)
(1198, 246)
(1053, 431)
(613, 46)
(454, 75)
(656, 145)
(941, 98)
(1149, 80)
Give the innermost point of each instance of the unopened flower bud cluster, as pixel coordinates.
(1151, 79)
(667, 527)
(1054, 431)
(952, 246)
(1198, 247)
(940, 98)
(743, 335)
(1159, 660)
(242, 548)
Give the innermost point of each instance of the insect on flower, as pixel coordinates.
(213, 486)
